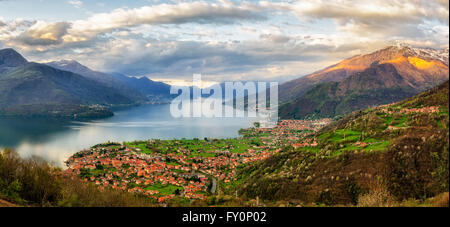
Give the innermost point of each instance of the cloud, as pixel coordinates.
(181, 13)
(76, 3)
(9, 30)
(226, 40)
(225, 12)
(275, 38)
(252, 59)
(370, 18)
(43, 33)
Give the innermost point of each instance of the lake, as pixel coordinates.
(55, 141)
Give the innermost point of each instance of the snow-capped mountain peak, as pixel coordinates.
(423, 53)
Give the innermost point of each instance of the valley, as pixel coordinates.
(390, 149)
(225, 112)
(369, 131)
(183, 169)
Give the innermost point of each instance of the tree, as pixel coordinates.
(257, 124)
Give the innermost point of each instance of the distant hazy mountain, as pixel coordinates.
(104, 78)
(153, 90)
(418, 65)
(37, 89)
(385, 76)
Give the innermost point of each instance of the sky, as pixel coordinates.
(222, 40)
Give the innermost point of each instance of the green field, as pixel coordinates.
(164, 189)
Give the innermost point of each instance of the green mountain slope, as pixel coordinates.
(391, 152)
(32, 89)
(37, 83)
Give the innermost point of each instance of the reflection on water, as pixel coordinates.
(56, 141)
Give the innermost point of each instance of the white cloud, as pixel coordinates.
(187, 12)
(76, 3)
(230, 40)
(43, 33)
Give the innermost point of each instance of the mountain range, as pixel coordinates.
(64, 89)
(384, 76)
(371, 157)
(140, 89)
(154, 91)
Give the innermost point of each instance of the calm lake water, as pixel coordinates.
(55, 141)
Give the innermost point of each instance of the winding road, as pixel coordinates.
(214, 185)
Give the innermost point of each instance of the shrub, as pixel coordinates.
(31, 180)
(441, 200)
(417, 173)
(34, 182)
(377, 196)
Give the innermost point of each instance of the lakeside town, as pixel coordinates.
(186, 168)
